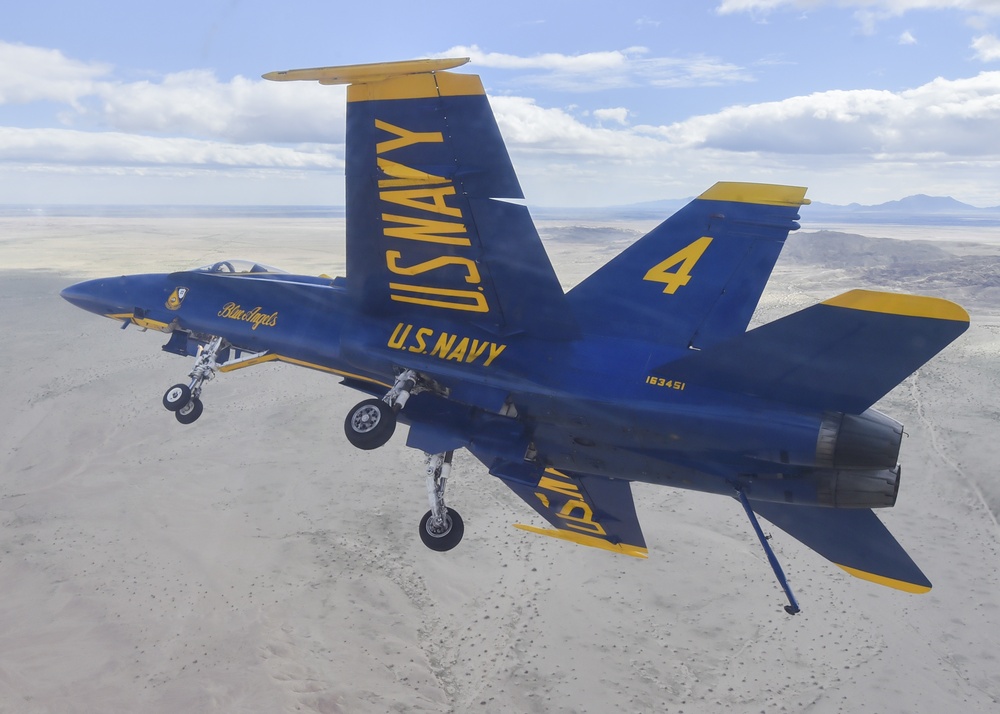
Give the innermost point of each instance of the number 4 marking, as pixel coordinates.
(685, 258)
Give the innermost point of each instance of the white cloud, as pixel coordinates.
(32, 74)
(595, 71)
(529, 128)
(196, 103)
(866, 145)
(194, 122)
(71, 147)
(193, 103)
(907, 38)
(586, 63)
(889, 7)
(944, 118)
(987, 48)
(615, 114)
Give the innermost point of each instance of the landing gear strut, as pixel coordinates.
(371, 423)
(441, 528)
(184, 399)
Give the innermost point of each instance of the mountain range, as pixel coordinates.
(917, 210)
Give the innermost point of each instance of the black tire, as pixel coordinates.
(176, 397)
(189, 413)
(370, 424)
(446, 539)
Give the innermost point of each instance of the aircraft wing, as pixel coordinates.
(852, 538)
(589, 510)
(430, 229)
(842, 355)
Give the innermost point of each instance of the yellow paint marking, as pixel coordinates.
(763, 193)
(425, 230)
(684, 260)
(403, 175)
(459, 85)
(900, 304)
(143, 322)
(412, 79)
(429, 199)
(374, 72)
(301, 363)
(466, 300)
(624, 548)
(404, 137)
(888, 582)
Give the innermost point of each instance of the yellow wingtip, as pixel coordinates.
(624, 548)
(887, 582)
(900, 304)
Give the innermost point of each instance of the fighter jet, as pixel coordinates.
(451, 320)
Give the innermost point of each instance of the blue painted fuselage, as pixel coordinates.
(590, 405)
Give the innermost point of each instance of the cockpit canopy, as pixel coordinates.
(238, 266)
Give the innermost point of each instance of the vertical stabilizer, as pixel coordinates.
(695, 279)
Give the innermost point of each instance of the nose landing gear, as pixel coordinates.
(184, 399)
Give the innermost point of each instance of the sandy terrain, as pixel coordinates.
(255, 562)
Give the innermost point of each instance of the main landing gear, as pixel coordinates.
(372, 422)
(184, 399)
(441, 528)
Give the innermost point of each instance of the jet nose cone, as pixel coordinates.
(90, 295)
(79, 294)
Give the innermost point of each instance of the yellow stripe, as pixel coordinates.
(253, 361)
(417, 86)
(413, 79)
(143, 322)
(899, 304)
(362, 73)
(762, 193)
(634, 550)
(301, 363)
(888, 582)
(410, 86)
(459, 85)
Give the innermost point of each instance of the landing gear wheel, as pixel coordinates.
(190, 412)
(442, 538)
(177, 397)
(370, 424)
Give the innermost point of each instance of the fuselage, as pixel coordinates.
(590, 405)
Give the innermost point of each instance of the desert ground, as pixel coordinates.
(255, 562)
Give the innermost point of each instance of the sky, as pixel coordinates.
(600, 103)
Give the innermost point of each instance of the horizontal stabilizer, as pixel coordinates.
(841, 355)
(854, 539)
(589, 510)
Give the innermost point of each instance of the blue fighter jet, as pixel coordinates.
(451, 319)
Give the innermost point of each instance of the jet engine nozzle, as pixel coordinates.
(857, 489)
(869, 440)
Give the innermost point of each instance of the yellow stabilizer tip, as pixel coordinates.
(633, 550)
(900, 304)
(363, 73)
(888, 582)
(762, 193)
